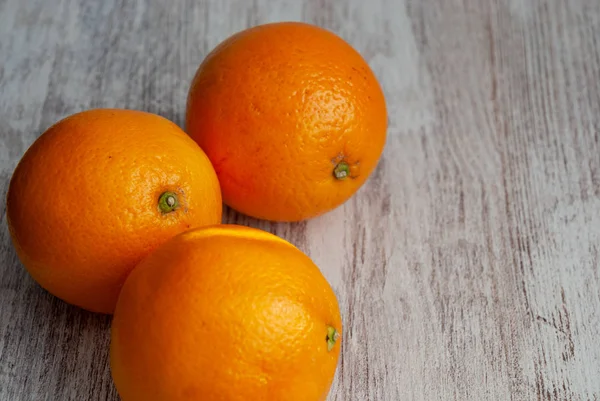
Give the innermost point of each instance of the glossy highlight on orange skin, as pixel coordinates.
(225, 313)
(82, 204)
(276, 108)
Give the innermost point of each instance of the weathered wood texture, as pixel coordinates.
(467, 268)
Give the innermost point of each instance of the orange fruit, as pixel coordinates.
(225, 313)
(97, 192)
(292, 118)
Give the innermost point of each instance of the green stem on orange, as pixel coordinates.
(341, 171)
(168, 202)
(332, 336)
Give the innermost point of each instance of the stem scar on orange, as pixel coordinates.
(225, 313)
(292, 118)
(97, 192)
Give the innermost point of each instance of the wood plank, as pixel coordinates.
(468, 267)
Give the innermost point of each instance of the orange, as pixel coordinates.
(292, 118)
(97, 192)
(225, 313)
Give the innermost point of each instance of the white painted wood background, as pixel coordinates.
(467, 268)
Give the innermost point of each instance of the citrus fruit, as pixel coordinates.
(225, 313)
(292, 118)
(98, 191)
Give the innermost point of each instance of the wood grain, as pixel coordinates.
(467, 268)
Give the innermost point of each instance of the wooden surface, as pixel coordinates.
(467, 268)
